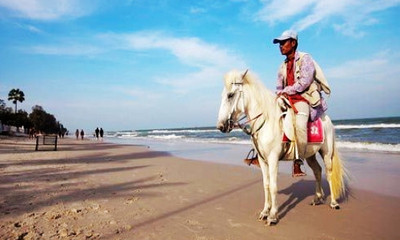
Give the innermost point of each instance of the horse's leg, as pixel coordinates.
(265, 173)
(327, 155)
(273, 188)
(333, 164)
(319, 192)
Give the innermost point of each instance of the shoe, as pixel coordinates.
(299, 161)
(250, 161)
(297, 172)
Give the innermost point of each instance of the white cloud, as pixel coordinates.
(28, 27)
(47, 9)
(197, 10)
(377, 69)
(348, 29)
(211, 60)
(348, 15)
(190, 51)
(278, 10)
(365, 87)
(206, 77)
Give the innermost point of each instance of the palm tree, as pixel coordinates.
(16, 95)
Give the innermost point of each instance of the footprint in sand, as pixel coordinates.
(232, 224)
(132, 200)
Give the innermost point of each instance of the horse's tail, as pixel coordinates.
(338, 175)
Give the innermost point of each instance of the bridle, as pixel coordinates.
(240, 97)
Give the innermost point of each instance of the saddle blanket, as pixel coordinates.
(315, 132)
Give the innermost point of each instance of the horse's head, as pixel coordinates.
(232, 102)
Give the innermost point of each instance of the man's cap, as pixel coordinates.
(288, 34)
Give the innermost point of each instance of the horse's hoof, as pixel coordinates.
(263, 215)
(335, 206)
(316, 202)
(272, 222)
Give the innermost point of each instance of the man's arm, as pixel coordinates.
(306, 77)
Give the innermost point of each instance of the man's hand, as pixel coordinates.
(282, 93)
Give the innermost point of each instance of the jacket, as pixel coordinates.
(310, 79)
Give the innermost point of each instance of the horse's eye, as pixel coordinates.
(230, 95)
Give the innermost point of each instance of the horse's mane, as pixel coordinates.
(265, 99)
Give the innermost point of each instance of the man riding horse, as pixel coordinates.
(295, 78)
(300, 81)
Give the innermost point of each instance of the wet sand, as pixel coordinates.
(97, 190)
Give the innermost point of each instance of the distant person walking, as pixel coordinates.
(32, 133)
(82, 134)
(101, 133)
(77, 134)
(97, 133)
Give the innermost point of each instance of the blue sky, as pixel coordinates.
(135, 64)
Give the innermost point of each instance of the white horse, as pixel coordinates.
(244, 94)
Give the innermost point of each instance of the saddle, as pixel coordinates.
(315, 130)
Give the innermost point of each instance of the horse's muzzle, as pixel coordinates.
(222, 128)
(226, 126)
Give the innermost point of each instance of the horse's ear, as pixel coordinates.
(244, 75)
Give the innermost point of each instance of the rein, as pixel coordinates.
(243, 125)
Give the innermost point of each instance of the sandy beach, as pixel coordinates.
(98, 190)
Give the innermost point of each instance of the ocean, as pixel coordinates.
(203, 143)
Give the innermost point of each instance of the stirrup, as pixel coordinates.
(299, 161)
(252, 158)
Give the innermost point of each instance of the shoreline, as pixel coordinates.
(100, 190)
